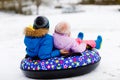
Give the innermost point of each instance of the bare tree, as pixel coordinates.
(2, 4)
(92, 1)
(20, 6)
(118, 1)
(38, 2)
(88, 1)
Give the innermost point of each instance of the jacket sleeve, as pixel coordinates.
(30, 44)
(46, 49)
(75, 47)
(78, 47)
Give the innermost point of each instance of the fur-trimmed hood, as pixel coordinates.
(29, 31)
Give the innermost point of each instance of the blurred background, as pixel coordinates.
(30, 7)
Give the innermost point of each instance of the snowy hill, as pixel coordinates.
(95, 20)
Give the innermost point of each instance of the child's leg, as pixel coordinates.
(90, 43)
(94, 43)
(80, 35)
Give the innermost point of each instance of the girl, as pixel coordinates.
(62, 39)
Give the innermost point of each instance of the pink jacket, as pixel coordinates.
(62, 41)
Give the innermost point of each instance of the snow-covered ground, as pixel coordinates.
(95, 20)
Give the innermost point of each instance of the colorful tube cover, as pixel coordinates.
(58, 63)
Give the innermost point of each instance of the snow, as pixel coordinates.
(94, 21)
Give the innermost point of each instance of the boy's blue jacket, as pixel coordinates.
(40, 45)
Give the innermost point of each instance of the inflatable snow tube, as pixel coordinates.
(61, 67)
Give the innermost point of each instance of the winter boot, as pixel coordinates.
(98, 42)
(80, 35)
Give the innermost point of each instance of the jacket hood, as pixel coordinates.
(29, 31)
